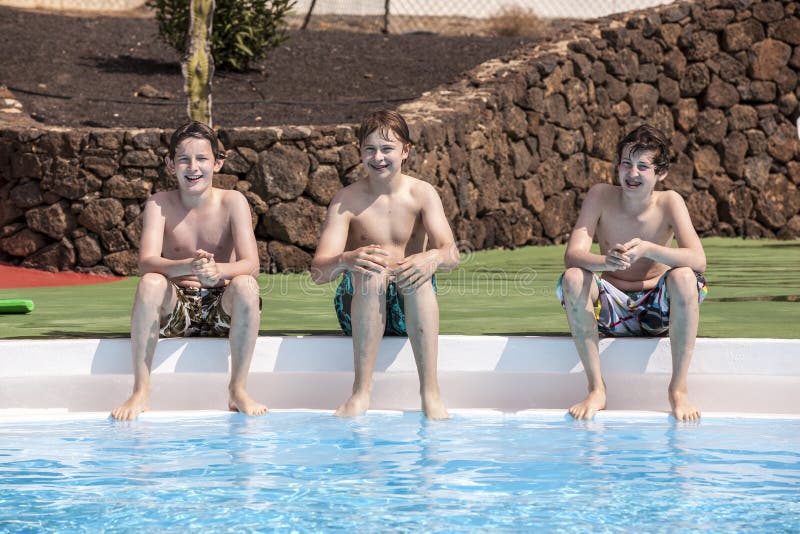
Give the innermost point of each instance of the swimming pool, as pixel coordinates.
(393, 471)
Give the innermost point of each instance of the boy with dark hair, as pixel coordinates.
(639, 284)
(198, 259)
(388, 235)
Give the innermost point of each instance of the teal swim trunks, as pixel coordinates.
(395, 314)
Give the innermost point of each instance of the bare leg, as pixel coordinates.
(683, 320)
(155, 298)
(580, 294)
(422, 322)
(241, 298)
(368, 315)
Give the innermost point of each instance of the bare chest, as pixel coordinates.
(186, 233)
(616, 228)
(394, 224)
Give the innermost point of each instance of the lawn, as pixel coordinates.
(754, 291)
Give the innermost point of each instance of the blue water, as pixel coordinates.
(397, 472)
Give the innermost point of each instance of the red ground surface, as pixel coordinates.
(13, 277)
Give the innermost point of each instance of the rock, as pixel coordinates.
(702, 210)
(281, 172)
(298, 223)
(8, 212)
(608, 134)
(258, 206)
(788, 31)
(323, 184)
(706, 162)
(711, 126)
(70, 181)
(695, 80)
(756, 171)
(669, 90)
(140, 158)
(734, 152)
(550, 174)
(716, 19)
(289, 258)
(53, 221)
(721, 94)
(741, 117)
(700, 45)
(768, 11)
(26, 165)
(515, 123)
(687, 114)
(100, 166)
(532, 196)
(449, 201)
(23, 243)
(674, 64)
(767, 58)
(26, 195)
(737, 206)
(643, 99)
(753, 230)
(148, 91)
(119, 186)
(56, 257)
(559, 214)
(575, 172)
(225, 181)
(742, 35)
(88, 250)
(124, 263)
(522, 158)
(680, 174)
(791, 230)
(235, 163)
(783, 143)
(114, 240)
(102, 214)
(778, 201)
(568, 141)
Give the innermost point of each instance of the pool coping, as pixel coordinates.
(505, 373)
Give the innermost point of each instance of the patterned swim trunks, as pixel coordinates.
(395, 314)
(198, 312)
(634, 313)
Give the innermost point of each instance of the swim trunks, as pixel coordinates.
(198, 312)
(634, 313)
(395, 313)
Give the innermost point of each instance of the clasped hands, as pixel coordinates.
(205, 268)
(408, 273)
(622, 256)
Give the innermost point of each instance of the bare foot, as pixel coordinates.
(682, 409)
(433, 407)
(138, 402)
(357, 404)
(595, 401)
(240, 401)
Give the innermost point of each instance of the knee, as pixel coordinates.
(151, 287)
(682, 283)
(245, 289)
(574, 281)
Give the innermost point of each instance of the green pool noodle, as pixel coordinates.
(16, 306)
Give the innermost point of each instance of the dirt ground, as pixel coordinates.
(88, 70)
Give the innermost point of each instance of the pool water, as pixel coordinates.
(309, 471)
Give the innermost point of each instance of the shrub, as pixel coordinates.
(517, 22)
(242, 31)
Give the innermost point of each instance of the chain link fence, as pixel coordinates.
(452, 16)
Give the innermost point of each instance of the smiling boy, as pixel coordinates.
(198, 259)
(639, 284)
(388, 235)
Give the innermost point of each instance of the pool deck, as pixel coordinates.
(508, 374)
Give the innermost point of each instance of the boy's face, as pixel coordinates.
(383, 156)
(637, 172)
(194, 164)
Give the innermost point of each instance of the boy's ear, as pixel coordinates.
(218, 163)
(170, 164)
(406, 150)
(660, 177)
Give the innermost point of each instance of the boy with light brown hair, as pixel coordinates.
(387, 234)
(198, 259)
(639, 284)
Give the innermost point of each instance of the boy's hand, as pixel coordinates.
(617, 259)
(634, 249)
(371, 259)
(413, 271)
(205, 268)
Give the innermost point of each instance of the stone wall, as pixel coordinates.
(512, 148)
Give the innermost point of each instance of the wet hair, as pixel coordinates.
(384, 121)
(196, 130)
(647, 138)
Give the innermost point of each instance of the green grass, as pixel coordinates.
(753, 292)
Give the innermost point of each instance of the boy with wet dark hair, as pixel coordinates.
(387, 234)
(639, 284)
(198, 259)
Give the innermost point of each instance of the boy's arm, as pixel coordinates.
(330, 259)
(150, 247)
(442, 252)
(578, 253)
(690, 251)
